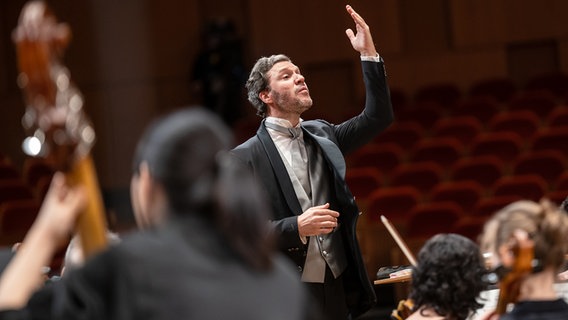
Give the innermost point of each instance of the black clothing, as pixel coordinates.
(183, 270)
(260, 154)
(538, 310)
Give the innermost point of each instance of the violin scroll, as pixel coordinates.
(403, 310)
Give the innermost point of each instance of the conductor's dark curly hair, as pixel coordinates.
(448, 277)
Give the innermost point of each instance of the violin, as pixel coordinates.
(403, 310)
(59, 129)
(521, 250)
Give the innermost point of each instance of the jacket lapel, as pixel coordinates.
(279, 169)
(331, 152)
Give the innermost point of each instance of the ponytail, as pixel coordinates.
(242, 213)
(545, 223)
(553, 230)
(186, 152)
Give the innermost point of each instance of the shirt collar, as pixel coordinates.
(282, 122)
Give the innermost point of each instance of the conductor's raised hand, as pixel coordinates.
(362, 41)
(317, 220)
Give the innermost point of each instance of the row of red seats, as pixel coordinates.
(484, 171)
(447, 166)
(449, 205)
(466, 189)
(465, 193)
(409, 146)
(21, 193)
(495, 157)
(501, 89)
(483, 107)
(466, 127)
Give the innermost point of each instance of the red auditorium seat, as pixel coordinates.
(16, 217)
(487, 207)
(422, 175)
(14, 190)
(530, 187)
(522, 122)
(554, 82)
(35, 169)
(445, 94)
(470, 227)
(549, 164)
(403, 134)
(429, 219)
(561, 182)
(362, 181)
(499, 88)
(482, 108)
(558, 117)
(538, 102)
(399, 99)
(484, 170)
(463, 193)
(505, 145)
(4, 158)
(550, 139)
(9, 172)
(384, 156)
(443, 151)
(394, 203)
(425, 114)
(463, 128)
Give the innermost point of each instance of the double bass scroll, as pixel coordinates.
(59, 129)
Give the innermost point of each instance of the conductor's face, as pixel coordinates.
(288, 92)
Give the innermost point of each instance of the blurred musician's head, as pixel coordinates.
(175, 164)
(543, 224)
(448, 277)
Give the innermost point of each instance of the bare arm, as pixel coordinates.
(54, 223)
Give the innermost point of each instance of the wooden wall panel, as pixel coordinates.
(124, 92)
(311, 31)
(307, 31)
(462, 68)
(173, 34)
(384, 17)
(563, 53)
(532, 58)
(530, 20)
(4, 61)
(483, 22)
(476, 23)
(332, 89)
(425, 25)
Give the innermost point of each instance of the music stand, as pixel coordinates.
(405, 249)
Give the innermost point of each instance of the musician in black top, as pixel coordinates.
(506, 233)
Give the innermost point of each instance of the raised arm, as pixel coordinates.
(378, 113)
(362, 41)
(53, 224)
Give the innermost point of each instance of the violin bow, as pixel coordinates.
(399, 241)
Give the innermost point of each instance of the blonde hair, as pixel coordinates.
(545, 223)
